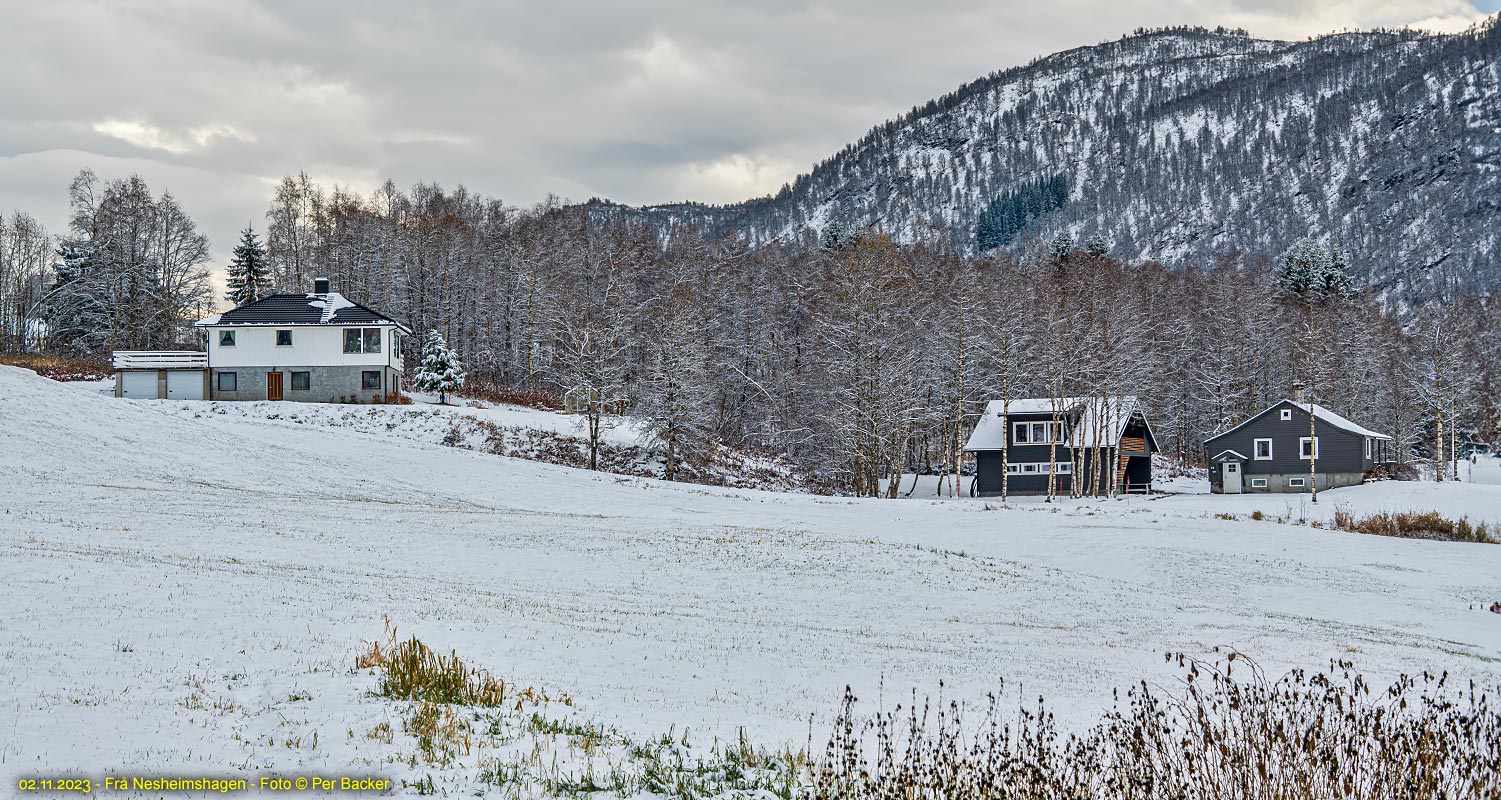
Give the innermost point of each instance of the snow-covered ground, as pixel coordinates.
(185, 593)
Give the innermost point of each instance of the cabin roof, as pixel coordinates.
(1094, 421)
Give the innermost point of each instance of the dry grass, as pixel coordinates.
(410, 670)
(1321, 735)
(60, 368)
(1416, 525)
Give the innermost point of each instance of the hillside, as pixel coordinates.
(186, 593)
(1183, 146)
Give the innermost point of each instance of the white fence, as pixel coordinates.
(159, 359)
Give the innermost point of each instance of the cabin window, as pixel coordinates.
(1263, 449)
(1308, 448)
(370, 379)
(1297, 483)
(1012, 469)
(1065, 468)
(283, 338)
(1029, 468)
(302, 381)
(1287, 415)
(226, 338)
(1368, 449)
(1035, 432)
(228, 381)
(1258, 483)
(362, 340)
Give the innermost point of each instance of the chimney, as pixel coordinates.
(320, 286)
(1298, 395)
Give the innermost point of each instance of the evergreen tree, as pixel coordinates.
(1097, 245)
(1302, 269)
(1061, 246)
(249, 270)
(440, 370)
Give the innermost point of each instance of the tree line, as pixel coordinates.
(857, 359)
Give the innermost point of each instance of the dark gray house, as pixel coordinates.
(1021, 440)
(1270, 452)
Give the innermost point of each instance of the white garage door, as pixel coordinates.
(140, 384)
(184, 384)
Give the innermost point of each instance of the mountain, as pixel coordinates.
(1186, 146)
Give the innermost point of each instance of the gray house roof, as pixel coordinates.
(331, 308)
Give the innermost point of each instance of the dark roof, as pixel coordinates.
(302, 309)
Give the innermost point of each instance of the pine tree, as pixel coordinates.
(440, 370)
(249, 270)
(1060, 246)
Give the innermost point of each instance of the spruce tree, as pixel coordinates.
(249, 270)
(440, 370)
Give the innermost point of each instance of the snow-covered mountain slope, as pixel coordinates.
(186, 594)
(1187, 145)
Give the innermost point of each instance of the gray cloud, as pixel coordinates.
(641, 102)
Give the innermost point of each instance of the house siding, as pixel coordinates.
(1341, 460)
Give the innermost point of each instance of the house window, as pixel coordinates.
(283, 338)
(370, 379)
(1368, 449)
(1012, 469)
(302, 380)
(226, 338)
(1263, 449)
(362, 340)
(1297, 483)
(228, 381)
(1258, 483)
(1287, 415)
(1065, 468)
(1029, 468)
(1035, 432)
(1308, 448)
(395, 344)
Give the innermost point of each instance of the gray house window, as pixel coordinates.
(1287, 414)
(1263, 449)
(1308, 448)
(370, 379)
(283, 338)
(1258, 483)
(226, 338)
(302, 380)
(1035, 432)
(227, 381)
(1368, 449)
(1297, 482)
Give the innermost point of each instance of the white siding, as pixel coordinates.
(312, 346)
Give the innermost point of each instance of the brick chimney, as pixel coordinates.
(320, 286)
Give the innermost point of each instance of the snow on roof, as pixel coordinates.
(329, 308)
(331, 303)
(1097, 421)
(1340, 422)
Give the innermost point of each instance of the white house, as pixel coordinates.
(315, 347)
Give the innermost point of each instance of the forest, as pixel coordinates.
(855, 358)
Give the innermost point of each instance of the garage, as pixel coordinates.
(185, 384)
(138, 384)
(137, 374)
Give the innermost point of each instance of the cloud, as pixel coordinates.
(643, 102)
(150, 137)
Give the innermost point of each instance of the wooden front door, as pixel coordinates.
(273, 386)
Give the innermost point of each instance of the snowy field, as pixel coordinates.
(186, 593)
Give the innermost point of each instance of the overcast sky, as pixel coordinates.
(640, 102)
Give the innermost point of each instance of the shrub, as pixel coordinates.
(1393, 472)
(412, 671)
(530, 398)
(1416, 525)
(60, 368)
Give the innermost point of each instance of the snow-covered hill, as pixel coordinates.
(1185, 145)
(186, 594)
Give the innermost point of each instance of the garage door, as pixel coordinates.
(140, 384)
(185, 384)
